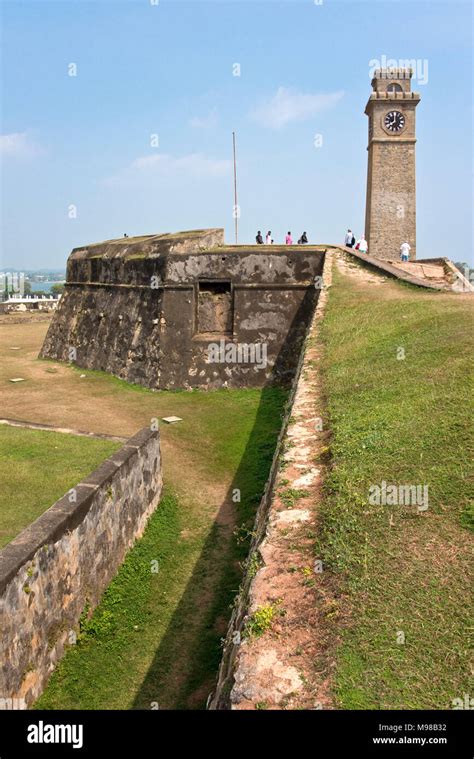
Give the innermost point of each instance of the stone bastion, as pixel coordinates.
(185, 311)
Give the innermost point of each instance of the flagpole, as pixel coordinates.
(235, 194)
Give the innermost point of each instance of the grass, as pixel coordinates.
(260, 621)
(37, 468)
(155, 638)
(221, 449)
(289, 496)
(402, 577)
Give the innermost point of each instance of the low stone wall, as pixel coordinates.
(231, 670)
(450, 279)
(10, 307)
(62, 563)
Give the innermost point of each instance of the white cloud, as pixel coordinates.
(289, 105)
(18, 144)
(162, 165)
(205, 122)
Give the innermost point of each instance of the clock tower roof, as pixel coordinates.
(392, 85)
(392, 75)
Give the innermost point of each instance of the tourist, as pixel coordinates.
(303, 239)
(405, 251)
(288, 239)
(259, 238)
(362, 245)
(268, 238)
(349, 239)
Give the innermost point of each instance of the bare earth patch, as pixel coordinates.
(54, 394)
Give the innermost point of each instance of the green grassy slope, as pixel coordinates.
(154, 641)
(403, 575)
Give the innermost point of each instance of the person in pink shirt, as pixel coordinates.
(288, 240)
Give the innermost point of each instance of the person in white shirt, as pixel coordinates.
(268, 238)
(348, 238)
(362, 245)
(405, 251)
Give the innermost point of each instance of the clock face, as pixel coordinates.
(394, 121)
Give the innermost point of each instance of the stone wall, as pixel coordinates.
(11, 307)
(224, 696)
(417, 272)
(147, 309)
(62, 563)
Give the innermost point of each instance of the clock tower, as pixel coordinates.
(390, 213)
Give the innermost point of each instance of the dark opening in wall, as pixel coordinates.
(214, 308)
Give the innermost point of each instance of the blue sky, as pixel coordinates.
(168, 70)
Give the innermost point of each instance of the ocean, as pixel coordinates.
(44, 286)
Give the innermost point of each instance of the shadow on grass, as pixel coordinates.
(184, 668)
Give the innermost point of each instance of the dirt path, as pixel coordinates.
(56, 394)
(62, 430)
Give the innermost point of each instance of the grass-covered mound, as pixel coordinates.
(398, 380)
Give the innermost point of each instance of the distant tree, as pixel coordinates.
(27, 287)
(58, 288)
